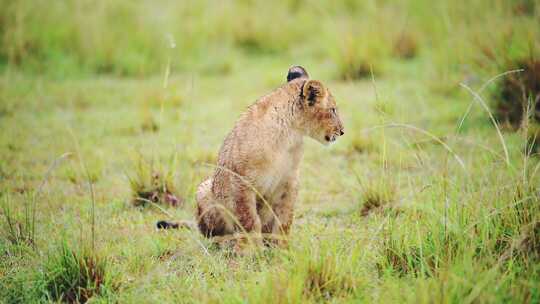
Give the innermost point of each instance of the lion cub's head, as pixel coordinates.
(319, 117)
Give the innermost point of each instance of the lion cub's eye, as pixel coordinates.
(333, 110)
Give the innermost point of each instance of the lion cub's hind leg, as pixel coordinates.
(209, 219)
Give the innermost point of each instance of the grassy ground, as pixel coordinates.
(423, 200)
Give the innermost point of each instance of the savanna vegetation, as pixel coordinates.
(112, 112)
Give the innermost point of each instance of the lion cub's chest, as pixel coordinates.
(277, 171)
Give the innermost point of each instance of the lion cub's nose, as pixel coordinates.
(341, 132)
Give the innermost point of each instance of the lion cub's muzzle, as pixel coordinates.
(333, 137)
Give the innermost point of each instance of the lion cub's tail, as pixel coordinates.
(163, 224)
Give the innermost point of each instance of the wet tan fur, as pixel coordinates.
(260, 157)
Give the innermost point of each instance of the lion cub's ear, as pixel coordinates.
(296, 72)
(313, 91)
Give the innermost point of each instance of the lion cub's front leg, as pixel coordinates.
(283, 206)
(248, 226)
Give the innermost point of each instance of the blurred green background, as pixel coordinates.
(426, 199)
(136, 38)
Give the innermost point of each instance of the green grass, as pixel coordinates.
(414, 204)
(153, 184)
(76, 276)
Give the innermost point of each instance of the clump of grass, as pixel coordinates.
(153, 184)
(405, 46)
(149, 123)
(76, 176)
(356, 68)
(398, 257)
(75, 277)
(516, 91)
(524, 7)
(404, 257)
(256, 34)
(322, 273)
(18, 226)
(252, 41)
(530, 243)
(376, 196)
(518, 233)
(356, 61)
(324, 280)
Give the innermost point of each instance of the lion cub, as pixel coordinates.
(255, 184)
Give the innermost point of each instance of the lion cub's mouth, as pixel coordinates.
(331, 138)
